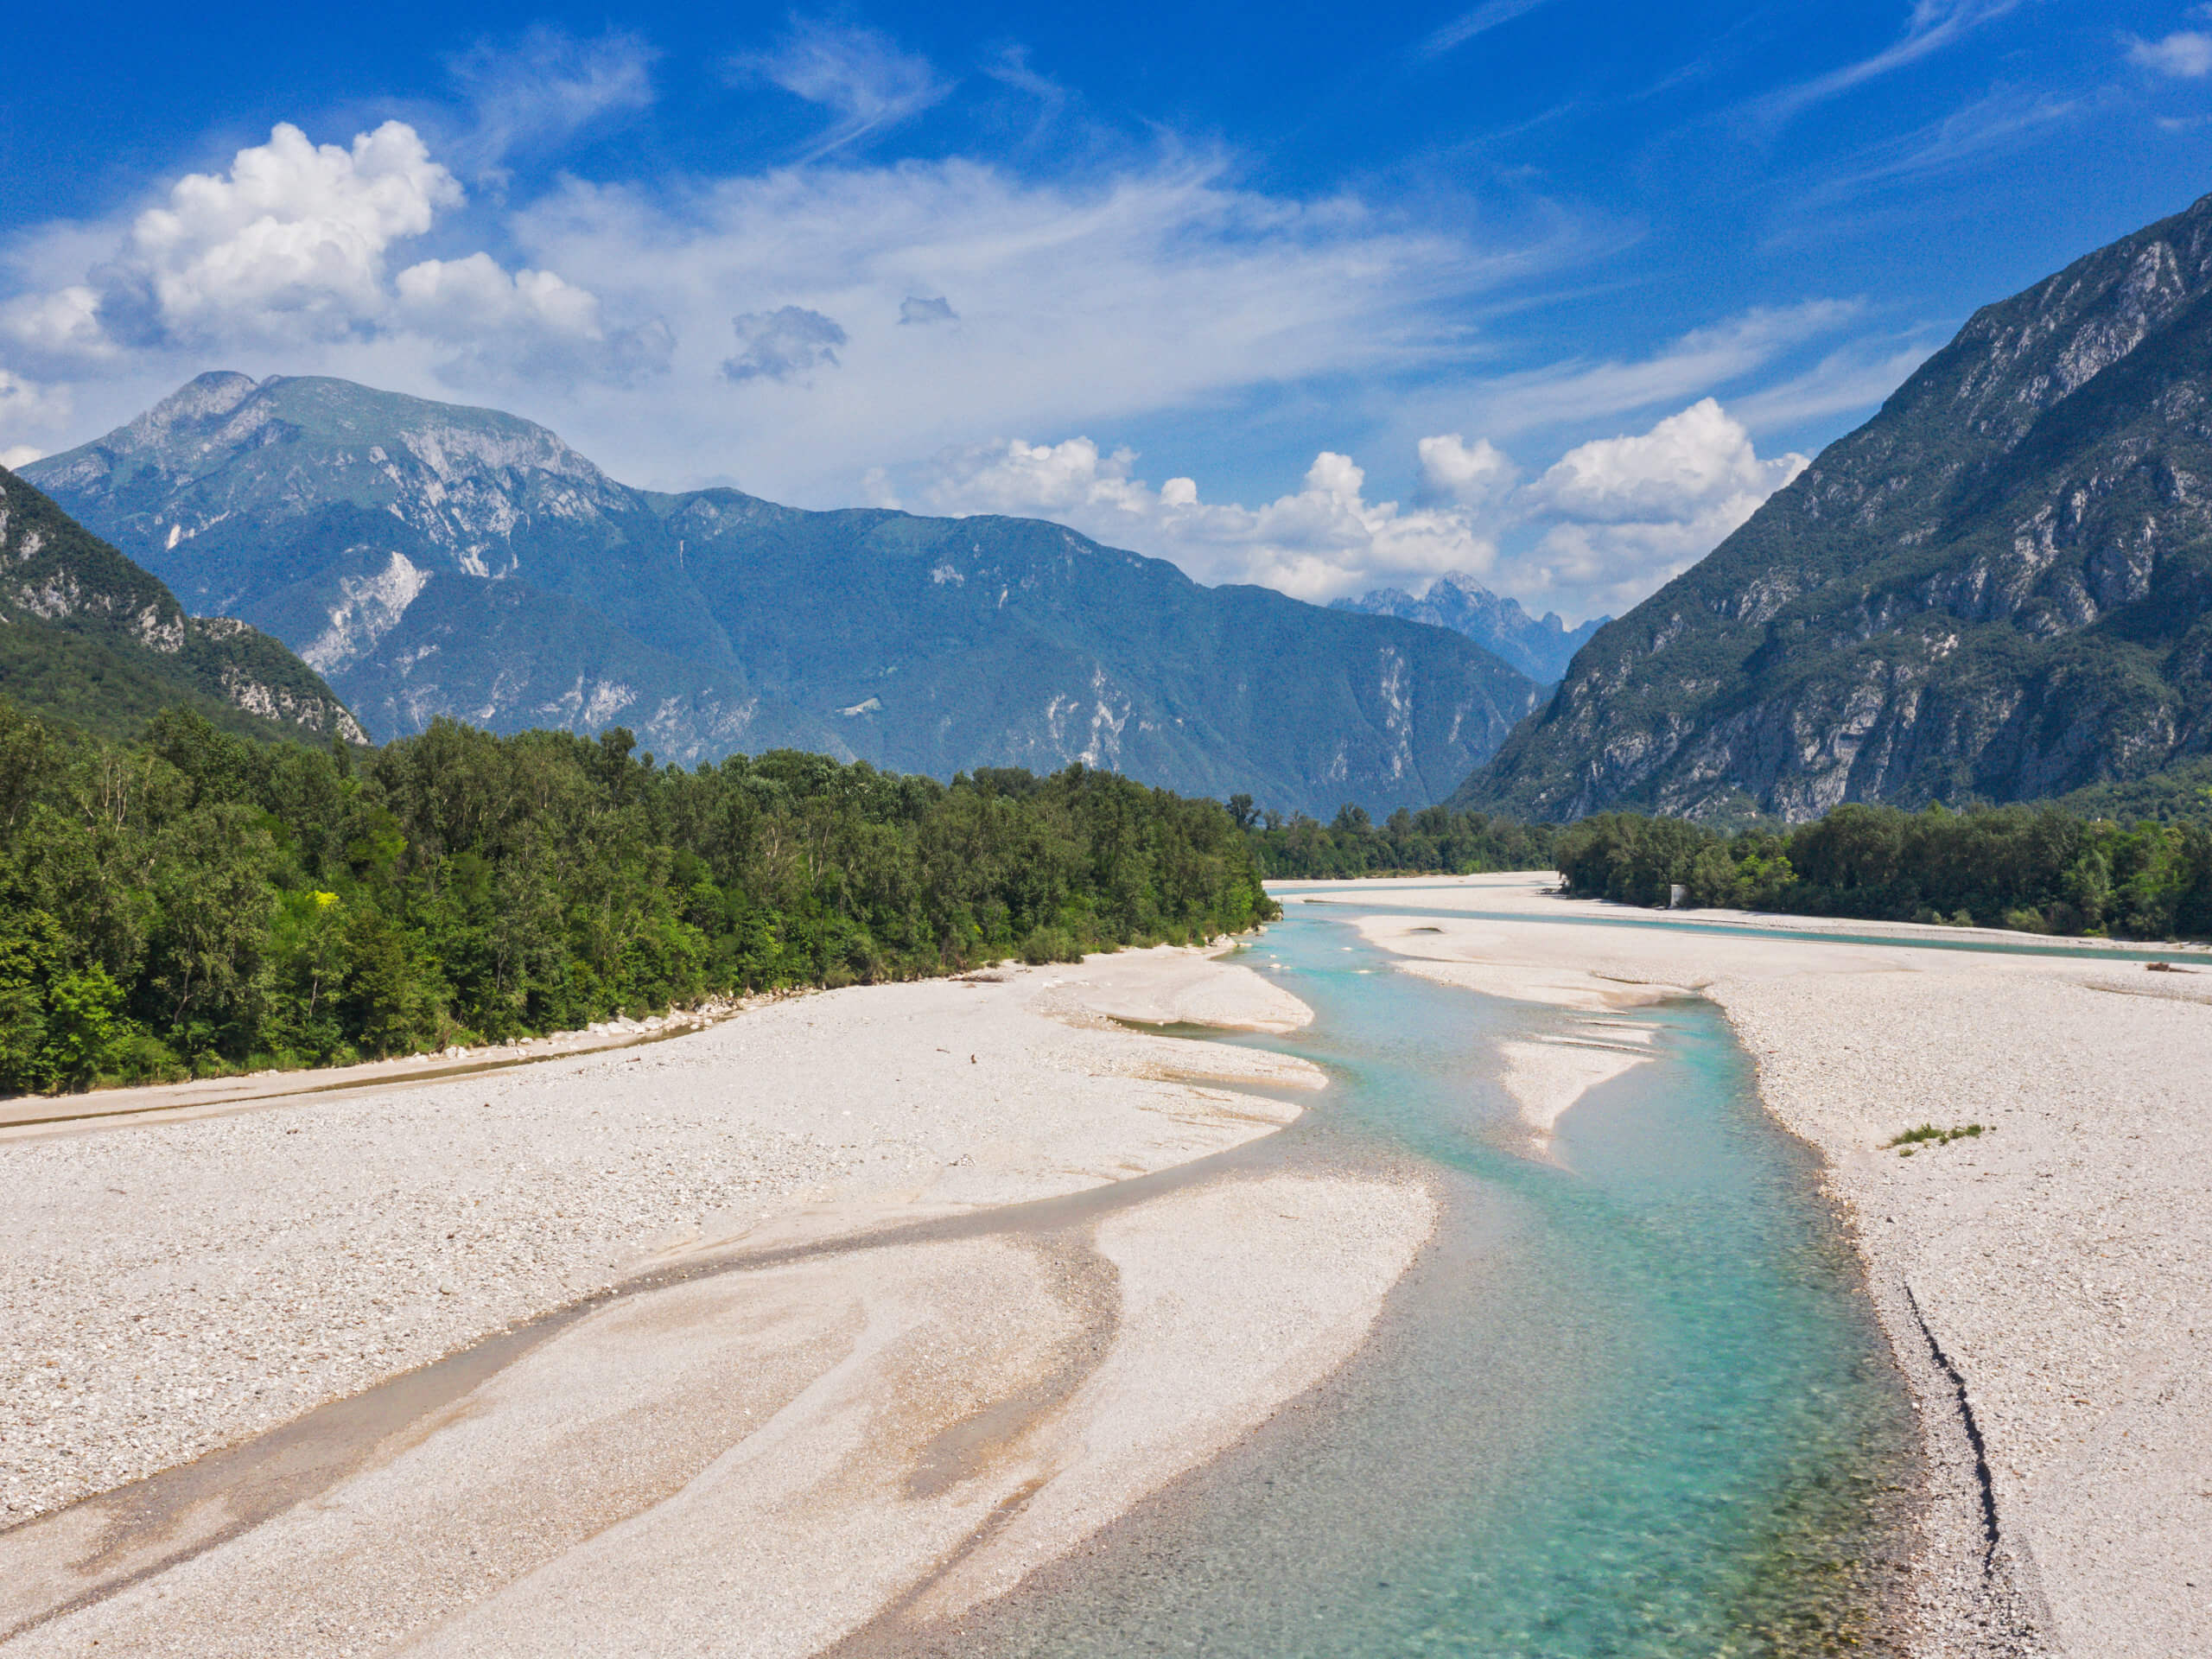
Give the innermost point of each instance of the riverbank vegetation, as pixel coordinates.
(197, 902)
(2041, 869)
(1435, 841)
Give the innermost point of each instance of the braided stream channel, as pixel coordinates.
(1633, 1400)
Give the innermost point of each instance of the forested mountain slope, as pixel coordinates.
(435, 560)
(88, 637)
(1997, 587)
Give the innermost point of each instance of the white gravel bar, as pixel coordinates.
(170, 1286)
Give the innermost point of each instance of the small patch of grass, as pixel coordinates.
(1929, 1134)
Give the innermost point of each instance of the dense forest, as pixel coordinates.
(197, 902)
(2042, 870)
(1434, 840)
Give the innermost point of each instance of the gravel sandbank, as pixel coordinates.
(760, 1459)
(170, 1286)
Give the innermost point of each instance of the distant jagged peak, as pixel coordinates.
(1540, 649)
(1473, 594)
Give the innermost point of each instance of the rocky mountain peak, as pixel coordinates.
(199, 403)
(1998, 587)
(438, 484)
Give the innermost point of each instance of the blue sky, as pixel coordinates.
(1552, 293)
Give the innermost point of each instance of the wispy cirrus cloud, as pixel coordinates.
(975, 300)
(539, 90)
(861, 75)
(1571, 391)
(966, 298)
(1491, 14)
(882, 312)
(1010, 66)
(1850, 380)
(2004, 118)
(1932, 26)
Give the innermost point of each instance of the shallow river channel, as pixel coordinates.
(1631, 1401)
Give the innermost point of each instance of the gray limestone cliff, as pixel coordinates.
(1998, 589)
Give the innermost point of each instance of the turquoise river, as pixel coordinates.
(1629, 1402)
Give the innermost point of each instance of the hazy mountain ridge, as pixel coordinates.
(1997, 588)
(1540, 649)
(434, 560)
(88, 635)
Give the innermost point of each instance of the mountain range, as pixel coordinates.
(87, 635)
(1540, 649)
(433, 560)
(1998, 588)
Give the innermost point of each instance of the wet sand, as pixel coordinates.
(2047, 1284)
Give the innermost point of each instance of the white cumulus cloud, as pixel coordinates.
(882, 313)
(293, 239)
(1465, 474)
(1627, 514)
(1698, 459)
(1603, 526)
(26, 406)
(461, 297)
(1321, 540)
(290, 250)
(60, 326)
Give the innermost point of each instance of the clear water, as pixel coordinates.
(1636, 1405)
